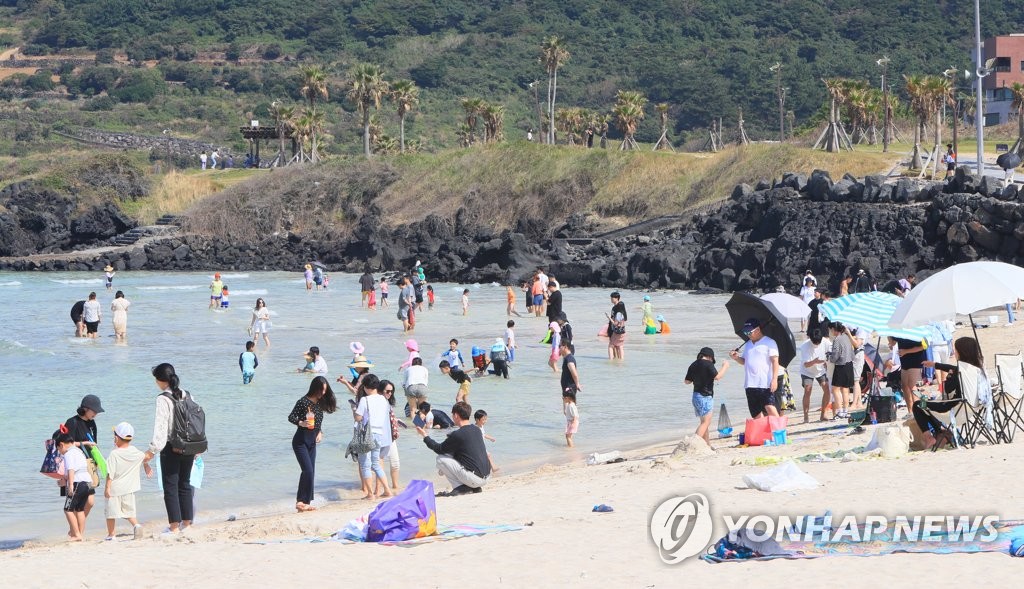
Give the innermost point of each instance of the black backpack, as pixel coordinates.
(188, 425)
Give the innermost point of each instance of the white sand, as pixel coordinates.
(567, 545)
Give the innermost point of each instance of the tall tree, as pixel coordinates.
(494, 121)
(920, 103)
(368, 87)
(283, 116)
(553, 55)
(406, 96)
(663, 142)
(629, 111)
(314, 87)
(473, 107)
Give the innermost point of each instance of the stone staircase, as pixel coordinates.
(166, 220)
(165, 225)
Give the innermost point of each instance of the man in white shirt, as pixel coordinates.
(415, 385)
(760, 361)
(812, 368)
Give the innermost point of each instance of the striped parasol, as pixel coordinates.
(872, 311)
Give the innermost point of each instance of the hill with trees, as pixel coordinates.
(203, 68)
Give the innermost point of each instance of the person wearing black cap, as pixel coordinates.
(760, 361)
(82, 429)
(702, 374)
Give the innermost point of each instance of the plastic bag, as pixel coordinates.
(724, 423)
(786, 477)
(410, 514)
(893, 440)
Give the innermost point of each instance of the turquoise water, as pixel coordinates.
(45, 371)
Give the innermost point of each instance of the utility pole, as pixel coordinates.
(540, 118)
(979, 116)
(777, 68)
(884, 62)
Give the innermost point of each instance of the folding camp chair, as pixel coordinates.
(943, 415)
(1009, 401)
(973, 417)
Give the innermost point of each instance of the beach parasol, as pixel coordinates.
(961, 289)
(742, 306)
(872, 311)
(790, 306)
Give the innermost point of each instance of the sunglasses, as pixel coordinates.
(387, 391)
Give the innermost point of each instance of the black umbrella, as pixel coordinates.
(743, 306)
(1008, 160)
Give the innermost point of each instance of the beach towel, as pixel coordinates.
(880, 544)
(444, 533)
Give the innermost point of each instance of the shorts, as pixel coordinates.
(951, 167)
(940, 352)
(842, 376)
(555, 355)
(416, 391)
(214, 298)
(121, 507)
(92, 326)
(758, 399)
(858, 365)
(383, 296)
(464, 390)
(571, 427)
(77, 499)
(403, 313)
(224, 304)
(809, 380)
(247, 377)
(702, 405)
(538, 300)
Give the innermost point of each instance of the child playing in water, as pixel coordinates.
(458, 376)
(430, 297)
(556, 339)
(224, 297)
(384, 293)
(465, 301)
(453, 355)
(248, 362)
(428, 418)
(123, 482)
(371, 300)
(572, 416)
(510, 298)
(77, 485)
(510, 339)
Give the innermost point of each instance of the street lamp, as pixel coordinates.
(979, 117)
(884, 62)
(777, 69)
(536, 101)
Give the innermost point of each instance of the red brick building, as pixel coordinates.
(1008, 51)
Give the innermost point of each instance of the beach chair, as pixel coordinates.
(1009, 400)
(974, 416)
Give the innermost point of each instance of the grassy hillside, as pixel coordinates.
(201, 69)
(501, 184)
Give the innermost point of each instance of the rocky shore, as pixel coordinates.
(760, 237)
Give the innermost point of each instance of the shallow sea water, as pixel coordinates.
(250, 468)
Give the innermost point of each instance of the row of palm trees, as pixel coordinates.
(491, 115)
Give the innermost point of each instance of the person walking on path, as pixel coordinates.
(462, 456)
(119, 307)
(760, 361)
(703, 375)
(175, 466)
(308, 417)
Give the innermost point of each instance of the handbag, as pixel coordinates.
(394, 426)
(53, 462)
(362, 439)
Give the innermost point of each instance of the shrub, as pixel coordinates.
(272, 51)
(138, 86)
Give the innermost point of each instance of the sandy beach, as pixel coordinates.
(563, 543)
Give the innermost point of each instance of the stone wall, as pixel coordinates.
(123, 140)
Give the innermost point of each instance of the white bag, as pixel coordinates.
(892, 439)
(785, 477)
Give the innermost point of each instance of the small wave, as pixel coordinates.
(78, 281)
(192, 287)
(258, 292)
(10, 283)
(233, 276)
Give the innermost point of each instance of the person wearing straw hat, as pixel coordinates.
(108, 275)
(362, 367)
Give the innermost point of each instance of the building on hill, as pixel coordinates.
(1008, 51)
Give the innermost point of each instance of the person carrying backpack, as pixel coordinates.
(179, 434)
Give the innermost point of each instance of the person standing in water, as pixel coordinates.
(260, 323)
(108, 276)
(120, 309)
(216, 288)
(91, 316)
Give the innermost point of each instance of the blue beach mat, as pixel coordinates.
(1010, 540)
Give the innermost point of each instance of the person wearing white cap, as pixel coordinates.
(123, 479)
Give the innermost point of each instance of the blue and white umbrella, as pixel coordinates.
(872, 311)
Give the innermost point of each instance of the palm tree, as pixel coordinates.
(1017, 91)
(916, 88)
(283, 116)
(629, 111)
(940, 92)
(302, 125)
(473, 108)
(314, 84)
(494, 121)
(315, 123)
(553, 55)
(603, 121)
(406, 96)
(367, 89)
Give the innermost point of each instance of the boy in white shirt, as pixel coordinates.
(510, 340)
(123, 467)
(77, 483)
(812, 368)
